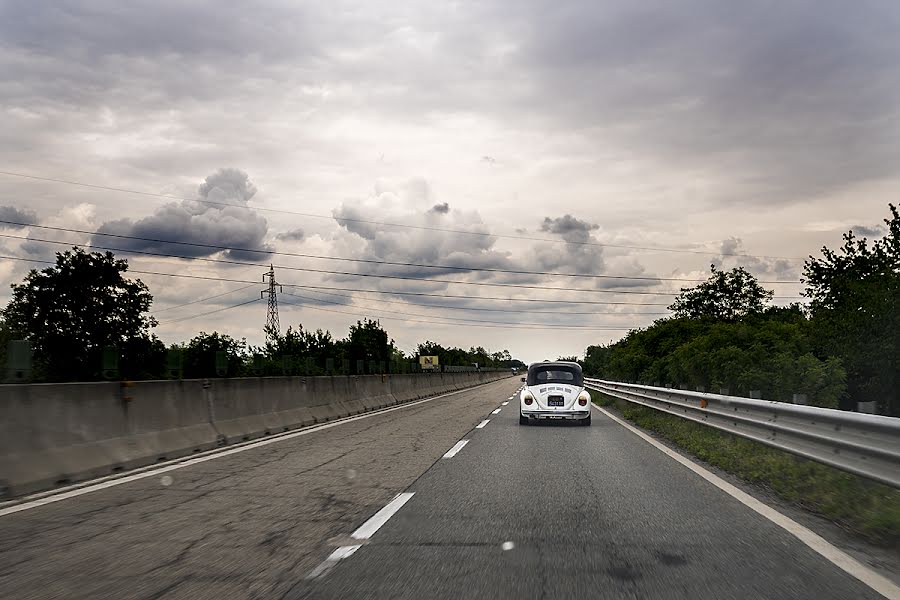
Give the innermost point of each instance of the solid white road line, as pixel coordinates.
(818, 544)
(455, 449)
(482, 424)
(505, 403)
(45, 498)
(495, 411)
(381, 517)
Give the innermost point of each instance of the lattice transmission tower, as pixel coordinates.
(273, 327)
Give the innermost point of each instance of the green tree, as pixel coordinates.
(200, 355)
(368, 341)
(725, 296)
(855, 308)
(74, 309)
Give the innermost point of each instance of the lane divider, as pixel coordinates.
(495, 411)
(505, 403)
(364, 532)
(455, 449)
(815, 542)
(482, 424)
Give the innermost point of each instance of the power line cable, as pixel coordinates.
(211, 312)
(454, 319)
(159, 310)
(385, 224)
(502, 310)
(363, 260)
(388, 292)
(433, 322)
(350, 273)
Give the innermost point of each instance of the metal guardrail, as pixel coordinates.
(866, 445)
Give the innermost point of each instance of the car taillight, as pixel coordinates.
(582, 401)
(528, 400)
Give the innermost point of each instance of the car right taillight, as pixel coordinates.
(528, 399)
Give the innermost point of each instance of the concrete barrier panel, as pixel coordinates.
(57, 433)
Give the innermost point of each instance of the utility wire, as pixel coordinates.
(502, 310)
(360, 260)
(159, 310)
(350, 273)
(385, 224)
(433, 322)
(454, 319)
(388, 292)
(211, 312)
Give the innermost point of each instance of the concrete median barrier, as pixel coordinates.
(53, 434)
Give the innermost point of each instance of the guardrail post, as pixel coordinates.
(756, 394)
(799, 399)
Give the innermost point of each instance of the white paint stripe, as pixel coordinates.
(482, 424)
(108, 482)
(332, 560)
(455, 449)
(495, 411)
(381, 517)
(818, 544)
(505, 403)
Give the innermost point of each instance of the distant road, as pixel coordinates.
(511, 512)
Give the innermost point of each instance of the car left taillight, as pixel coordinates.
(528, 399)
(582, 400)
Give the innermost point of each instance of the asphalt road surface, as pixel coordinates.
(514, 512)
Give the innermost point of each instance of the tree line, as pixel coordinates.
(83, 319)
(838, 350)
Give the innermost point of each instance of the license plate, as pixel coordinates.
(555, 402)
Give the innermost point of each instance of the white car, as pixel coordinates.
(554, 390)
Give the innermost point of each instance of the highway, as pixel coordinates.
(486, 509)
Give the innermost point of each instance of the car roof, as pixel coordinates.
(555, 363)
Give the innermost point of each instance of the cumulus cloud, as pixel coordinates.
(231, 224)
(16, 215)
(294, 235)
(732, 254)
(365, 236)
(569, 228)
(865, 230)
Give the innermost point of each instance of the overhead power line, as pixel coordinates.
(386, 224)
(211, 312)
(159, 310)
(453, 319)
(387, 292)
(455, 324)
(501, 310)
(351, 273)
(361, 260)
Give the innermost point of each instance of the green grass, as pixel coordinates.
(868, 509)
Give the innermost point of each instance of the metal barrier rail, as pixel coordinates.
(866, 445)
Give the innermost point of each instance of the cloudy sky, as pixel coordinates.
(463, 142)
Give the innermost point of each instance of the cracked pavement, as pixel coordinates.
(246, 525)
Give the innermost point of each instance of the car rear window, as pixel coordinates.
(555, 374)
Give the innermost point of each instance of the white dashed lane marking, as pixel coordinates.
(505, 403)
(495, 411)
(455, 449)
(482, 424)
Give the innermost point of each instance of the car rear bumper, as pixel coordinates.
(557, 415)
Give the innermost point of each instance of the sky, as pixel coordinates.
(644, 140)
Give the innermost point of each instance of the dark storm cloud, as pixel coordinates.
(788, 99)
(865, 230)
(733, 254)
(294, 235)
(16, 215)
(212, 226)
(441, 209)
(569, 228)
